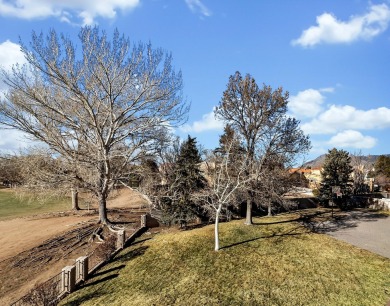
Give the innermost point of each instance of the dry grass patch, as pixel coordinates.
(14, 204)
(276, 262)
(385, 212)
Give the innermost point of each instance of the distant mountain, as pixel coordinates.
(319, 161)
(315, 163)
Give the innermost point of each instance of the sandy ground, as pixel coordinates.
(23, 234)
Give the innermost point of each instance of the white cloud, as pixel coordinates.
(307, 103)
(12, 141)
(352, 139)
(333, 31)
(207, 123)
(197, 6)
(318, 148)
(338, 118)
(10, 55)
(86, 10)
(327, 89)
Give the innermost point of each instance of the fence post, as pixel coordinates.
(143, 221)
(82, 268)
(68, 279)
(120, 243)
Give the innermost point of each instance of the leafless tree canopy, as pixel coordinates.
(361, 168)
(226, 174)
(10, 170)
(271, 139)
(100, 107)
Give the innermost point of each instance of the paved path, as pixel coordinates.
(367, 230)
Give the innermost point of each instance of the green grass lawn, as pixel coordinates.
(276, 262)
(13, 205)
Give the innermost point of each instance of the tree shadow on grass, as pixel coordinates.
(131, 254)
(108, 271)
(121, 259)
(276, 222)
(195, 226)
(291, 232)
(140, 241)
(303, 216)
(104, 279)
(303, 219)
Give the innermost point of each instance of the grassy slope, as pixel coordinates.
(12, 205)
(278, 263)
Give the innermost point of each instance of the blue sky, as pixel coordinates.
(332, 56)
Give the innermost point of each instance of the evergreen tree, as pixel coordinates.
(230, 144)
(336, 177)
(382, 166)
(229, 141)
(187, 179)
(382, 172)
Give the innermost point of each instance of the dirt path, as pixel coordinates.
(21, 235)
(367, 230)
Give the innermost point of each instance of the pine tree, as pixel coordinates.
(382, 172)
(228, 139)
(382, 166)
(230, 143)
(336, 177)
(188, 178)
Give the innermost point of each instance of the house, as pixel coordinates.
(311, 177)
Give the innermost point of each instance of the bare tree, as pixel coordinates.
(100, 108)
(36, 171)
(361, 167)
(259, 116)
(44, 173)
(158, 184)
(10, 172)
(272, 184)
(224, 183)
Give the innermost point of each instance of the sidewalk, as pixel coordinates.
(369, 231)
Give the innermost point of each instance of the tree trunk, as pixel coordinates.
(248, 219)
(269, 209)
(102, 210)
(216, 229)
(75, 199)
(103, 192)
